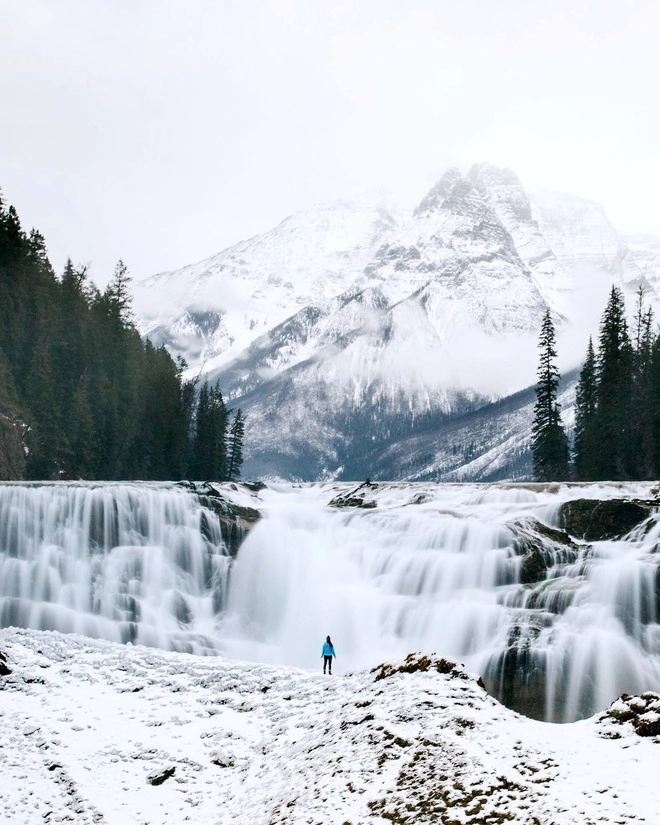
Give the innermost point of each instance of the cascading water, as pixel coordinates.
(447, 576)
(128, 563)
(558, 628)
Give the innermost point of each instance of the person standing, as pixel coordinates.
(327, 653)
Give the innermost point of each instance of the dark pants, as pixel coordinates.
(327, 661)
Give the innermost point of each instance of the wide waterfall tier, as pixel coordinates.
(515, 581)
(128, 563)
(557, 626)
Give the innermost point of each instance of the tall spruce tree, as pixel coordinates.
(640, 411)
(585, 446)
(550, 450)
(209, 450)
(235, 447)
(614, 458)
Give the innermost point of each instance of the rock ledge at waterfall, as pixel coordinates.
(89, 727)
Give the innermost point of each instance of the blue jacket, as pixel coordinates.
(328, 650)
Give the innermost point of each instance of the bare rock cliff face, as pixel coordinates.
(12, 456)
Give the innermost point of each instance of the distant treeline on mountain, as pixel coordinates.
(82, 395)
(617, 403)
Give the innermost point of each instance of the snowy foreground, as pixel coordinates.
(87, 726)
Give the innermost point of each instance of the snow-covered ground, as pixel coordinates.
(84, 726)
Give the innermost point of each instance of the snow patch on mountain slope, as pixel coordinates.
(96, 732)
(256, 284)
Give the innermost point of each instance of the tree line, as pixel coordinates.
(83, 394)
(617, 403)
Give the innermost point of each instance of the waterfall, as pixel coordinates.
(477, 573)
(446, 576)
(125, 562)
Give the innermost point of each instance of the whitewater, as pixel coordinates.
(423, 567)
(150, 674)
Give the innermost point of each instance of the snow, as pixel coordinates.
(85, 724)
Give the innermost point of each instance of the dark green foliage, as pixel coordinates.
(617, 415)
(209, 443)
(585, 418)
(613, 429)
(550, 451)
(79, 388)
(235, 446)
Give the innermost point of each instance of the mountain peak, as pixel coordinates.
(439, 192)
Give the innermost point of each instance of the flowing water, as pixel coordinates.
(128, 563)
(434, 568)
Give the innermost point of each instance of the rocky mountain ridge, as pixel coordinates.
(357, 326)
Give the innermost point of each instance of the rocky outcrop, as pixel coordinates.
(236, 520)
(418, 663)
(12, 454)
(4, 669)
(540, 547)
(356, 498)
(161, 776)
(517, 676)
(594, 520)
(640, 712)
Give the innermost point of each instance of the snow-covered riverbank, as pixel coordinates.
(85, 725)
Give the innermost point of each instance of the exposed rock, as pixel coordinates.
(159, 778)
(517, 678)
(4, 670)
(417, 663)
(356, 498)
(352, 501)
(594, 520)
(12, 454)
(254, 486)
(641, 712)
(235, 520)
(540, 547)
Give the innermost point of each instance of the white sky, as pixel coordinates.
(162, 131)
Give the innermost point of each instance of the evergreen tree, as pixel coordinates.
(651, 422)
(235, 450)
(640, 412)
(550, 451)
(210, 436)
(118, 294)
(585, 418)
(614, 458)
(78, 386)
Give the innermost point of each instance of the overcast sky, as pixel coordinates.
(162, 131)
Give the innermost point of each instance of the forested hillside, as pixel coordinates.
(81, 394)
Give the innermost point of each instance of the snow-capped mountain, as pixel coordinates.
(219, 305)
(356, 327)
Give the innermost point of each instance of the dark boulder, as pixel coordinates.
(254, 486)
(352, 501)
(541, 547)
(642, 712)
(4, 670)
(160, 777)
(594, 520)
(356, 498)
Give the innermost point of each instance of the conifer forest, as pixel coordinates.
(617, 402)
(82, 395)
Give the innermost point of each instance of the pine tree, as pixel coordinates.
(640, 440)
(235, 450)
(614, 458)
(585, 418)
(550, 451)
(118, 294)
